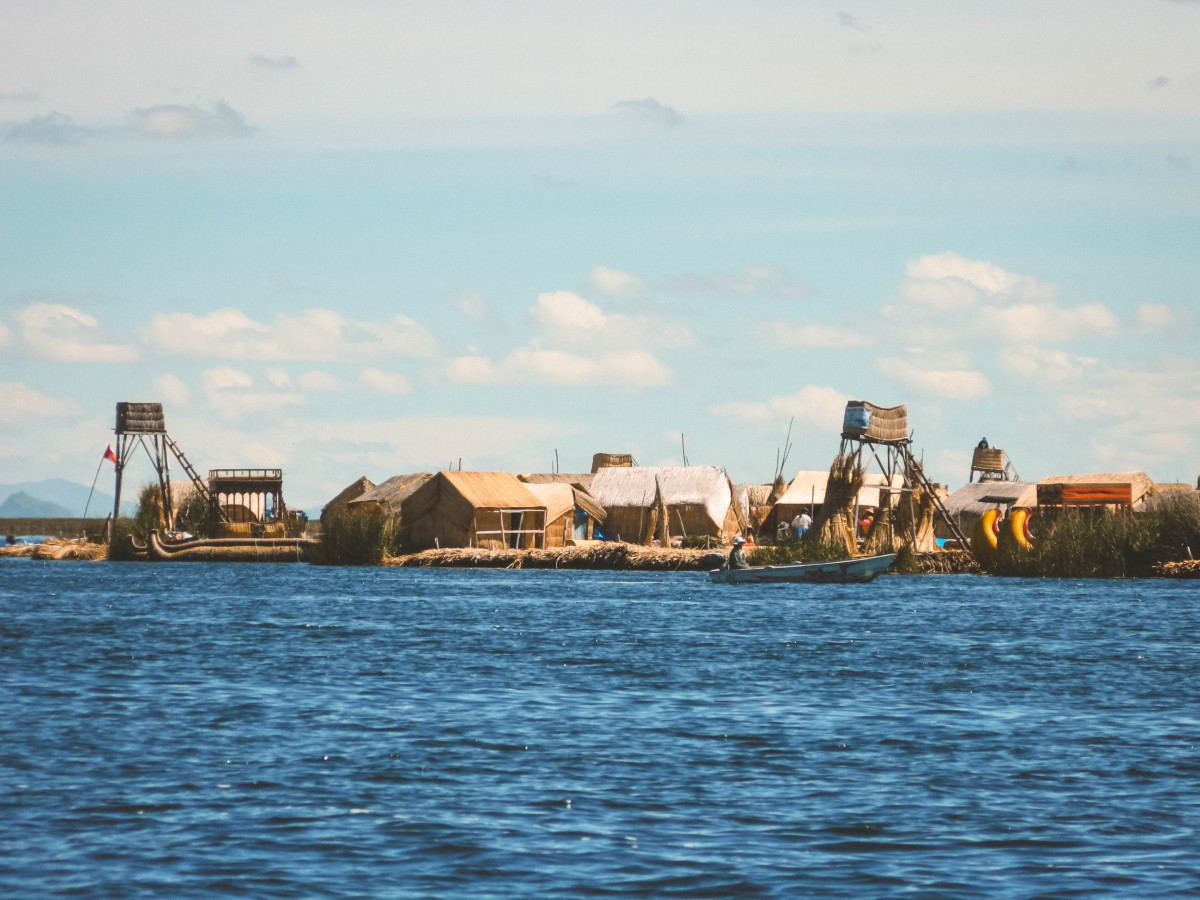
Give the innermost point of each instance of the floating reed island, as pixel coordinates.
(874, 499)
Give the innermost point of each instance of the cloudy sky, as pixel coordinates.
(364, 238)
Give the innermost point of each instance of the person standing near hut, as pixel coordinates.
(801, 524)
(737, 556)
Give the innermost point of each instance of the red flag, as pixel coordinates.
(108, 454)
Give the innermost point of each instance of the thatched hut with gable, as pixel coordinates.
(1112, 490)
(489, 510)
(352, 491)
(967, 505)
(667, 503)
(572, 513)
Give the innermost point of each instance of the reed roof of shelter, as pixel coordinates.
(492, 490)
(978, 497)
(681, 485)
(391, 493)
(354, 489)
(581, 479)
(559, 499)
(1140, 483)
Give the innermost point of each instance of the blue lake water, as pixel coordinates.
(198, 730)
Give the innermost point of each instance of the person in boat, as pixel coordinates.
(737, 556)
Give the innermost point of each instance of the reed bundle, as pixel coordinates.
(57, 548)
(609, 555)
(835, 524)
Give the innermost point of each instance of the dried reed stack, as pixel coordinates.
(57, 548)
(883, 538)
(915, 521)
(835, 525)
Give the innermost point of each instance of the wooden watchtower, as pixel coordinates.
(991, 464)
(145, 424)
(881, 434)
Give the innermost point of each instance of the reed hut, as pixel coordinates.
(1111, 490)
(587, 515)
(967, 505)
(352, 491)
(667, 503)
(559, 500)
(489, 510)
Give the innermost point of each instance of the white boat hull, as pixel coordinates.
(840, 571)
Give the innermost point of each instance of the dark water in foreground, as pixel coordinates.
(196, 729)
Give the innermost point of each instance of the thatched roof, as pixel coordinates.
(866, 421)
(973, 500)
(559, 499)
(580, 479)
(589, 504)
(810, 486)
(491, 490)
(705, 486)
(391, 493)
(352, 491)
(1139, 482)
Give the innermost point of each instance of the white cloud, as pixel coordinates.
(614, 282)
(177, 121)
(51, 130)
(1044, 366)
(947, 299)
(20, 403)
(225, 379)
(61, 333)
(475, 306)
(317, 381)
(172, 391)
(649, 110)
(232, 393)
(820, 407)
(314, 335)
(1027, 322)
(631, 369)
(948, 383)
(385, 382)
(947, 282)
(5, 336)
(278, 378)
(565, 318)
(1154, 317)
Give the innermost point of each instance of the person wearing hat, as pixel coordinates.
(737, 556)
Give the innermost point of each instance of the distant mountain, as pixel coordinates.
(71, 496)
(21, 506)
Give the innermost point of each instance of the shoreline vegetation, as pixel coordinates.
(606, 556)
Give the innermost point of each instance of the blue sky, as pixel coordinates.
(369, 238)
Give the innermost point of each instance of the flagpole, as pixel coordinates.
(89, 499)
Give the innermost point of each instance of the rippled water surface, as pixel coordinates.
(198, 729)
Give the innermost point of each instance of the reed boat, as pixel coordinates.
(239, 549)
